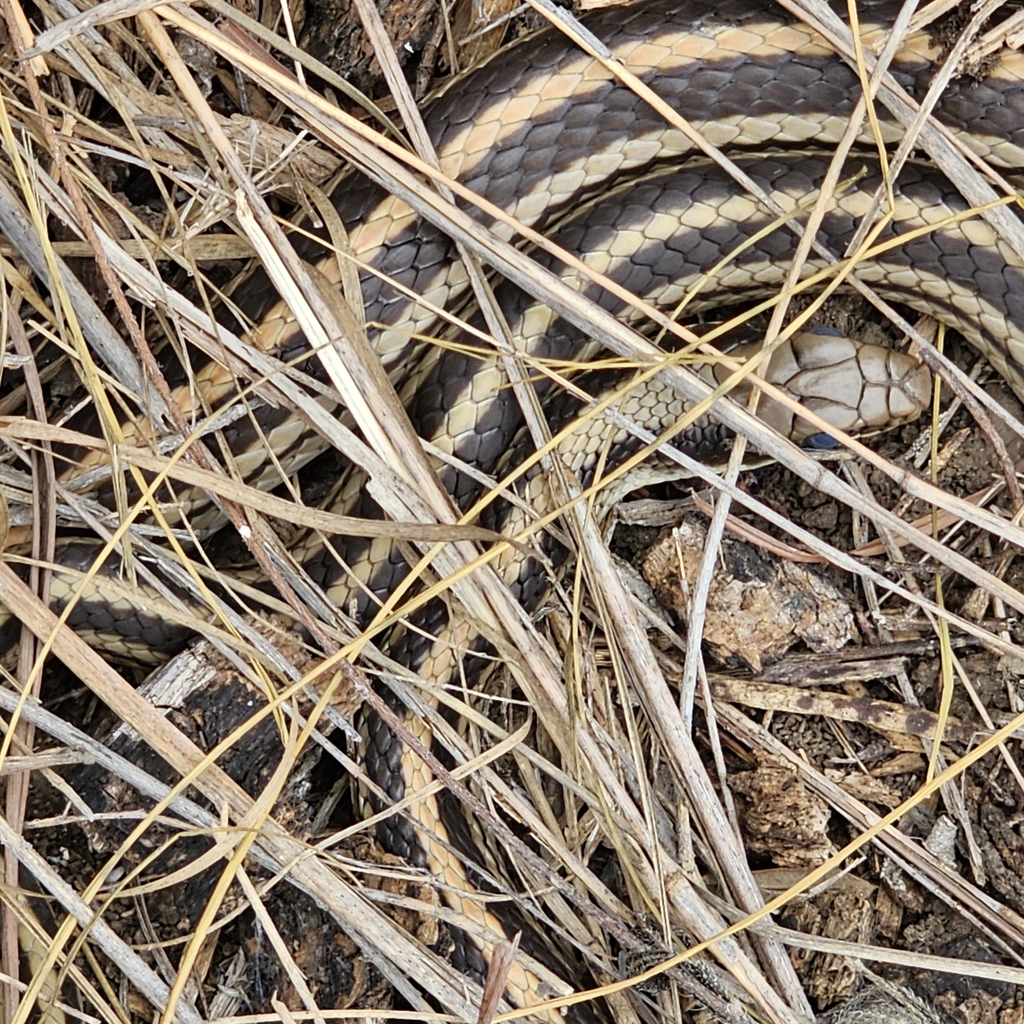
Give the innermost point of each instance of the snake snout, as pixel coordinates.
(852, 385)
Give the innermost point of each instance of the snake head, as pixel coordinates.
(857, 387)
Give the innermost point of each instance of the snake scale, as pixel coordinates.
(546, 133)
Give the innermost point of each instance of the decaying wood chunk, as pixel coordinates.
(758, 607)
(784, 819)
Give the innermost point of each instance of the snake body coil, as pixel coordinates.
(550, 136)
(543, 123)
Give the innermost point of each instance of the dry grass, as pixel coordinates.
(609, 710)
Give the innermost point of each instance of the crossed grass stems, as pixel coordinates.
(455, 567)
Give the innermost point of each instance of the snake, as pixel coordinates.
(546, 133)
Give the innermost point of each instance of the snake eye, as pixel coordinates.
(820, 443)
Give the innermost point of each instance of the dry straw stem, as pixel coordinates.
(898, 957)
(18, 428)
(416, 501)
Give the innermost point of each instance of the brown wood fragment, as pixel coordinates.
(876, 714)
(757, 607)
